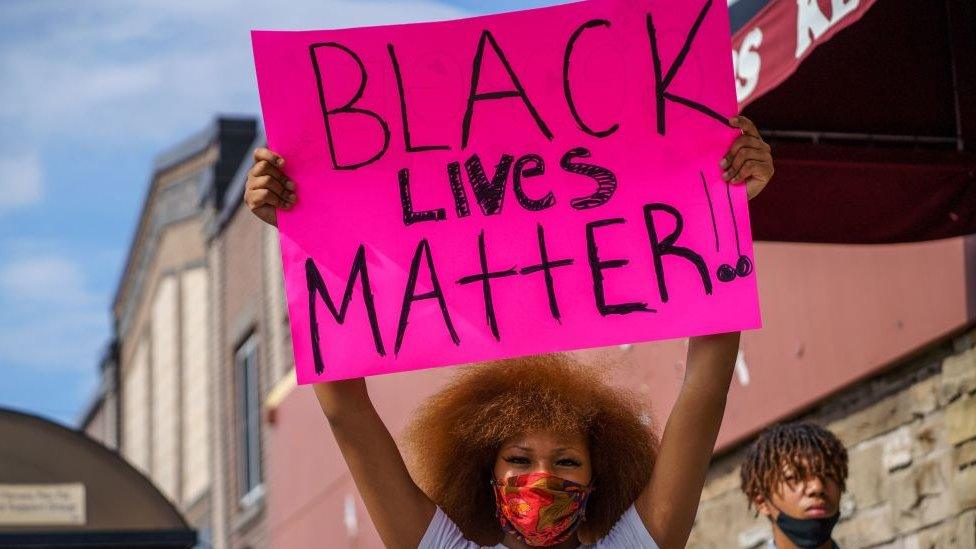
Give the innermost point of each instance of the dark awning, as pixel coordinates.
(869, 108)
(113, 505)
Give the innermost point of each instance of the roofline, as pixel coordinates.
(189, 147)
(93, 405)
(234, 195)
(109, 354)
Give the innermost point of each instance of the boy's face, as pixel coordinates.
(810, 498)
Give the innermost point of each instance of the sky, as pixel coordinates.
(92, 92)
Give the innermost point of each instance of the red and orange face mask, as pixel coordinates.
(540, 509)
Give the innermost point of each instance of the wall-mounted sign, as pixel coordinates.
(42, 504)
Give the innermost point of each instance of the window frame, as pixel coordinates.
(250, 483)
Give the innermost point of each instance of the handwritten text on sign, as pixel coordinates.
(507, 185)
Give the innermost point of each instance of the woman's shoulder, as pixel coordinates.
(442, 533)
(629, 531)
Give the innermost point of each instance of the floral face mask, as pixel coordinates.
(540, 509)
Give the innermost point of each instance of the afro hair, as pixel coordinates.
(455, 436)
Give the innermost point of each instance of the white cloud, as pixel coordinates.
(45, 279)
(64, 341)
(21, 181)
(113, 70)
(49, 319)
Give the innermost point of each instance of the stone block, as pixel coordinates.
(929, 436)
(964, 486)
(847, 505)
(866, 479)
(721, 483)
(961, 420)
(876, 419)
(933, 475)
(936, 537)
(966, 454)
(720, 520)
(755, 537)
(867, 528)
(922, 495)
(897, 449)
(904, 492)
(966, 530)
(924, 396)
(958, 375)
(695, 540)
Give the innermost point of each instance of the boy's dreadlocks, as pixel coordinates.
(803, 449)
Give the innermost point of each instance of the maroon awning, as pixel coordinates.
(869, 108)
(861, 195)
(781, 35)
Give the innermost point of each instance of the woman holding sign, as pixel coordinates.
(535, 451)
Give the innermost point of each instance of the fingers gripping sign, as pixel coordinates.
(749, 159)
(267, 187)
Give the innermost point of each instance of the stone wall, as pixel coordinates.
(910, 433)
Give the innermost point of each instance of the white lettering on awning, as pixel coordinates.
(746, 63)
(812, 23)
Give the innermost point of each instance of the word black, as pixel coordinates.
(516, 92)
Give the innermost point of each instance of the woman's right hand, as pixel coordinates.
(268, 188)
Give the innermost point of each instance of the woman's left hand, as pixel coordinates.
(749, 160)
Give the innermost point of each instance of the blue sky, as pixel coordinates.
(92, 92)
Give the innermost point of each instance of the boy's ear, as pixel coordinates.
(763, 506)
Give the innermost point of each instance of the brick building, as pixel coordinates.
(155, 402)
(251, 350)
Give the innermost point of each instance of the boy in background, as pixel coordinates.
(794, 474)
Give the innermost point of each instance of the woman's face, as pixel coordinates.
(563, 455)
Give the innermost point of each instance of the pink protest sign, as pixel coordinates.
(506, 185)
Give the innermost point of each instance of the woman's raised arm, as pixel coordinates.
(400, 511)
(669, 503)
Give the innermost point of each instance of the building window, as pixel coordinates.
(249, 417)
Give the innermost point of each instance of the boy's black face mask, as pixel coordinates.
(807, 533)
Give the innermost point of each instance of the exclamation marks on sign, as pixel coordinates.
(711, 210)
(743, 267)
